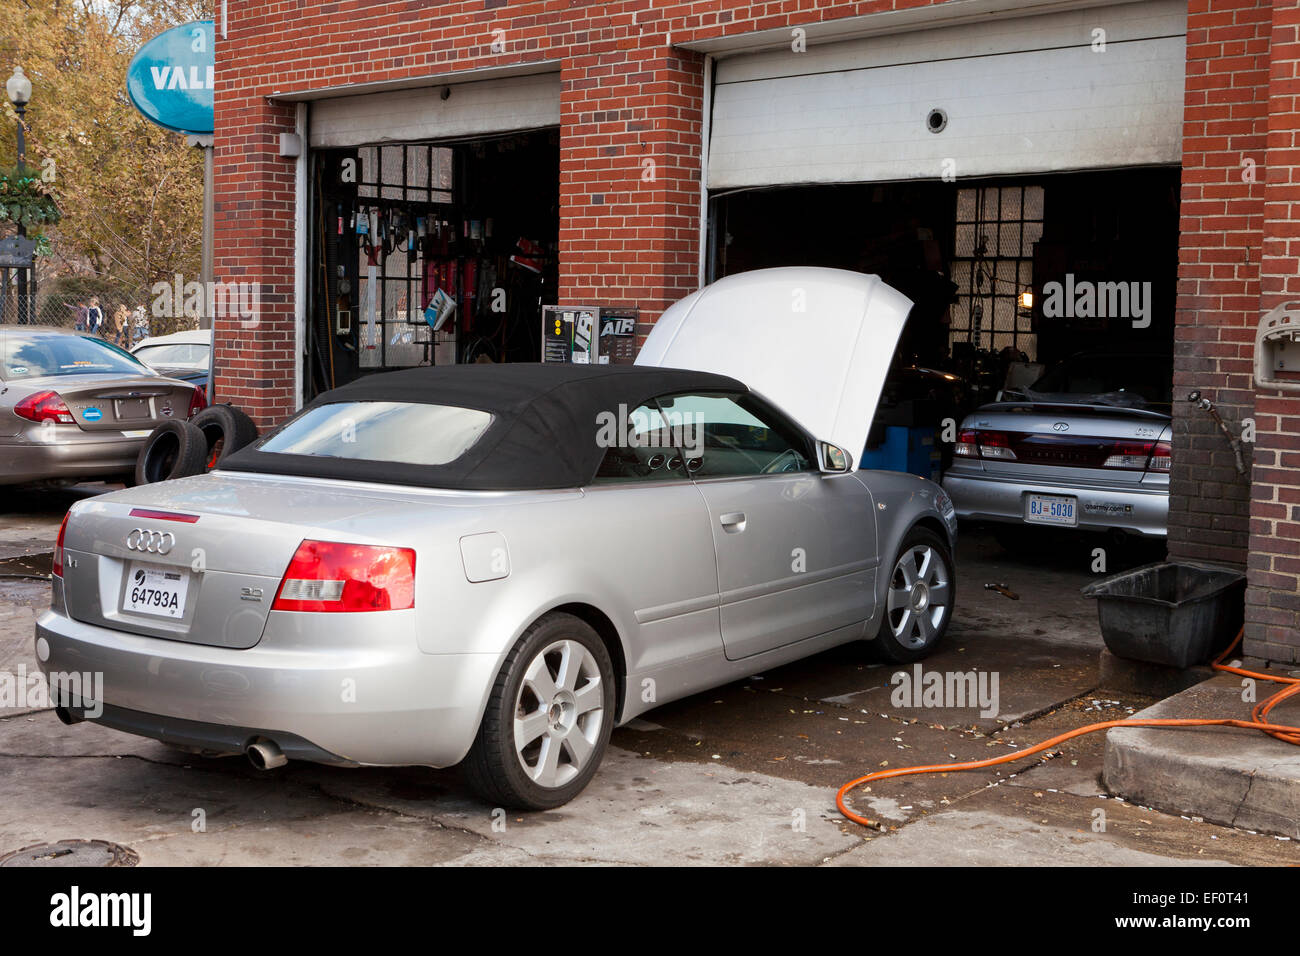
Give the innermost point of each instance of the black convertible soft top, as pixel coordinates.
(543, 433)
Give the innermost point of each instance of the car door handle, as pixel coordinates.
(733, 523)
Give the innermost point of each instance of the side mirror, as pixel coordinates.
(833, 460)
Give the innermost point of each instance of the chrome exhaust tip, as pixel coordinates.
(265, 755)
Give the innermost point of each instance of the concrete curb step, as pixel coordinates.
(1238, 778)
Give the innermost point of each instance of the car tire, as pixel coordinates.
(908, 633)
(174, 449)
(530, 694)
(225, 430)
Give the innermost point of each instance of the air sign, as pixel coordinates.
(170, 79)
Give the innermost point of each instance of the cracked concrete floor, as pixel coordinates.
(745, 774)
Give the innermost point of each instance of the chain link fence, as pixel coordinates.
(122, 316)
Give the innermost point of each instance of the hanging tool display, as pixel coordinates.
(412, 272)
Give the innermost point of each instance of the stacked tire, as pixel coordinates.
(178, 449)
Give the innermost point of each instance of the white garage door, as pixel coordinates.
(471, 109)
(1101, 87)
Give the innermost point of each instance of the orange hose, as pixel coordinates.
(1258, 722)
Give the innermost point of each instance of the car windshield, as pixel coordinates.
(406, 433)
(37, 354)
(174, 354)
(1146, 377)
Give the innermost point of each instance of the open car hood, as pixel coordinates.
(817, 342)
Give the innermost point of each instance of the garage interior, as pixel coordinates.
(975, 258)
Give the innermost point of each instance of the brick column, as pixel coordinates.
(1221, 228)
(630, 176)
(254, 242)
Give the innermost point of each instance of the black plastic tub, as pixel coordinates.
(1170, 613)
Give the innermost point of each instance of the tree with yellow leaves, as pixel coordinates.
(130, 193)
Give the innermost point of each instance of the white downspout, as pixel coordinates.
(705, 132)
(300, 245)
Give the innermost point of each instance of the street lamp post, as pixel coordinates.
(19, 89)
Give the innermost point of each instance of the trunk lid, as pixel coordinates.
(818, 342)
(116, 402)
(221, 542)
(1066, 441)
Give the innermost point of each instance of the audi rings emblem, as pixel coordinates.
(150, 542)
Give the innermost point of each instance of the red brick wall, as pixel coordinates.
(1222, 211)
(1273, 601)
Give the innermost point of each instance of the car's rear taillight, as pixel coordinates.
(974, 443)
(44, 407)
(198, 402)
(995, 445)
(56, 566)
(1139, 456)
(967, 444)
(332, 576)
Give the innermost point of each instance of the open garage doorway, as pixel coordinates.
(1009, 275)
(430, 253)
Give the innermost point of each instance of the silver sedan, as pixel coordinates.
(75, 408)
(498, 564)
(1086, 447)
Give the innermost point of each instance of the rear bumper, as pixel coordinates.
(1144, 512)
(376, 700)
(215, 739)
(37, 461)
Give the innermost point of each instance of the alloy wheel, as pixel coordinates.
(559, 713)
(919, 594)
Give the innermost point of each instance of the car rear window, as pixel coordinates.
(175, 353)
(1150, 377)
(35, 354)
(399, 432)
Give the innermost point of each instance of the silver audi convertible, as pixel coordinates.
(498, 564)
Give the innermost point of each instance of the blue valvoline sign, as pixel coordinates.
(170, 78)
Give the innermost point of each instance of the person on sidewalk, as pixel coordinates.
(139, 325)
(95, 317)
(122, 327)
